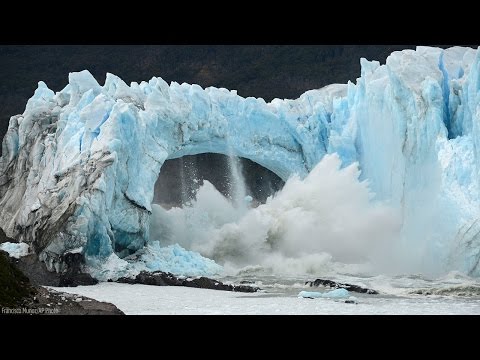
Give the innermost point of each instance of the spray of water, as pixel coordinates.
(328, 217)
(183, 186)
(238, 188)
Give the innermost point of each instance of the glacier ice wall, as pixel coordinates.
(79, 166)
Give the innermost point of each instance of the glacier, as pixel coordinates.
(78, 167)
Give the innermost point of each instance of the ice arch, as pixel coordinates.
(181, 178)
(78, 167)
(85, 159)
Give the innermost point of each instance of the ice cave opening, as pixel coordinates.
(196, 194)
(180, 179)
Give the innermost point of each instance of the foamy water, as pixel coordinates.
(329, 226)
(276, 299)
(317, 224)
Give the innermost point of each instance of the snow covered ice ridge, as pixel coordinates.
(79, 166)
(15, 250)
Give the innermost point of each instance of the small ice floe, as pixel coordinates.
(334, 294)
(16, 250)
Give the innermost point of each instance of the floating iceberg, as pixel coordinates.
(333, 294)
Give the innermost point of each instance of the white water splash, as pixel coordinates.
(326, 218)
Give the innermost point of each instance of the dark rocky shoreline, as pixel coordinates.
(38, 274)
(51, 302)
(23, 281)
(23, 293)
(336, 285)
(159, 278)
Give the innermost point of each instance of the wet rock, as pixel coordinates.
(337, 285)
(159, 278)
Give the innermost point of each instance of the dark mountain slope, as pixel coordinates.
(259, 70)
